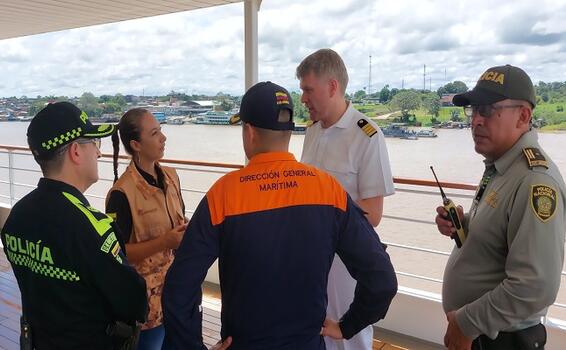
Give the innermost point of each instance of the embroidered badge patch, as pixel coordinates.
(282, 98)
(491, 199)
(543, 201)
(235, 119)
(108, 242)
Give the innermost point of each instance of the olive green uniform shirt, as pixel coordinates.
(507, 272)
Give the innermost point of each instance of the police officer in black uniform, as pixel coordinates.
(78, 291)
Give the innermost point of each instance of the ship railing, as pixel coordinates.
(420, 187)
(12, 167)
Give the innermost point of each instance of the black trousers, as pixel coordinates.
(532, 338)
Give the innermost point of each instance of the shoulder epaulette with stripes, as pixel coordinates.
(367, 127)
(535, 157)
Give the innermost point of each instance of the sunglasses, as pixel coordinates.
(486, 111)
(97, 142)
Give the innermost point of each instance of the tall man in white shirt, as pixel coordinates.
(346, 144)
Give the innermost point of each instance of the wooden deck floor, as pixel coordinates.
(10, 310)
(10, 306)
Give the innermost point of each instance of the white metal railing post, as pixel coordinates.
(11, 178)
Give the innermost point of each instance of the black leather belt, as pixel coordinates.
(532, 338)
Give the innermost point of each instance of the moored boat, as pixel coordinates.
(213, 118)
(426, 133)
(399, 131)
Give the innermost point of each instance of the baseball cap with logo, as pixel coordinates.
(59, 124)
(497, 84)
(261, 105)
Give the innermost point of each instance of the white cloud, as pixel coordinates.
(203, 51)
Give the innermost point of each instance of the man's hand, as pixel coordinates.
(373, 207)
(331, 329)
(454, 339)
(443, 222)
(222, 345)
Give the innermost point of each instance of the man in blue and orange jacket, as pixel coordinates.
(275, 226)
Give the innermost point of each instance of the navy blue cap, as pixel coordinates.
(261, 105)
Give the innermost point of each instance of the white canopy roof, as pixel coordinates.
(28, 17)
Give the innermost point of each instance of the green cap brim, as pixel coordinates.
(99, 131)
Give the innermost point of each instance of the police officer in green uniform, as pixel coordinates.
(499, 284)
(78, 291)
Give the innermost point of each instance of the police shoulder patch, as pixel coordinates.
(543, 201)
(108, 242)
(367, 127)
(535, 157)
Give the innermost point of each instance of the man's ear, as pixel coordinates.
(252, 132)
(333, 86)
(74, 153)
(525, 117)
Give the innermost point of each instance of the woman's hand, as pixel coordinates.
(172, 238)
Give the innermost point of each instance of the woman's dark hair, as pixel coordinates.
(129, 130)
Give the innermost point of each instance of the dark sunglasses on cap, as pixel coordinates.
(485, 111)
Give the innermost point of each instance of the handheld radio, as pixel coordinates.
(459, 236)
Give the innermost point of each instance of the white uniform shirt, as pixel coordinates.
(359, 162)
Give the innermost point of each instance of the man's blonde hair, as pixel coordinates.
(325, 62)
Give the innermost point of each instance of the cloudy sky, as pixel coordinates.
(203, 52)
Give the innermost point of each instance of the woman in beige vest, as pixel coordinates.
(148, 208)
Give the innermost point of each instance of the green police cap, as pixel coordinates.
(497, 84)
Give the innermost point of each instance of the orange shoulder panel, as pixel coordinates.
(273, 185)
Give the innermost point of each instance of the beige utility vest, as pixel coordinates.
(154, 212)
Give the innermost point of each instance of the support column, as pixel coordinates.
(251, 9)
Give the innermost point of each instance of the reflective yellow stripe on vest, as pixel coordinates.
(101, 226)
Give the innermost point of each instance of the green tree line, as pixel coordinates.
(550, 110)
(551, 100)
(116, 104)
